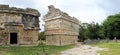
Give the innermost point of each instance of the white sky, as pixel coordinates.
(84, 10)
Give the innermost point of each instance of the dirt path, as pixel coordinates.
(2, 52)
(82, 50)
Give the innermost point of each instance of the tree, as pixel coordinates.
(101, 32)
(92, 31)
(41, 35)
(89, 31)
(112, 26)
(82, 29)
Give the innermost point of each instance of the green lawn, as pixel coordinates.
(113, 48)
(36, 50)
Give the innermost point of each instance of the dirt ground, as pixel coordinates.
(2, 52)
(82, 50)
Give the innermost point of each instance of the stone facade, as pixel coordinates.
(18, 26)
(60, 28)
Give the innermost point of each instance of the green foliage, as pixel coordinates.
(41, 35)
(92, 31)
(89, 31)
(112, 26)
(82, 30)
(113, 48)
(33, 50)
(101, 32)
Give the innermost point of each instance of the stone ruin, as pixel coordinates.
(60, 28)
(21, 26)
(18, 26)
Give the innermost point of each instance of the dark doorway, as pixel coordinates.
(13, 38)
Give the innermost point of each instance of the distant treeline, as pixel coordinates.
(110, 29)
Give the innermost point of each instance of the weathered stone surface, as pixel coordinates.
(60, 28)
(29, 11)
(24, 22)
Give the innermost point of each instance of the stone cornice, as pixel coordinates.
(7, 9)
(61, 17)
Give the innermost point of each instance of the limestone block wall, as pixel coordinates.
(27, 37)
(52, 27)
(61, 32)
(69, 27)
(3, 37)
(60, 40)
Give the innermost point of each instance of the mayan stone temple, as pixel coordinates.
(60, 28)
(18, 26)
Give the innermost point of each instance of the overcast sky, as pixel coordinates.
(84, 10)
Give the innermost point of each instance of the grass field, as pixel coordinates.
(113, 48)
(36, 50)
